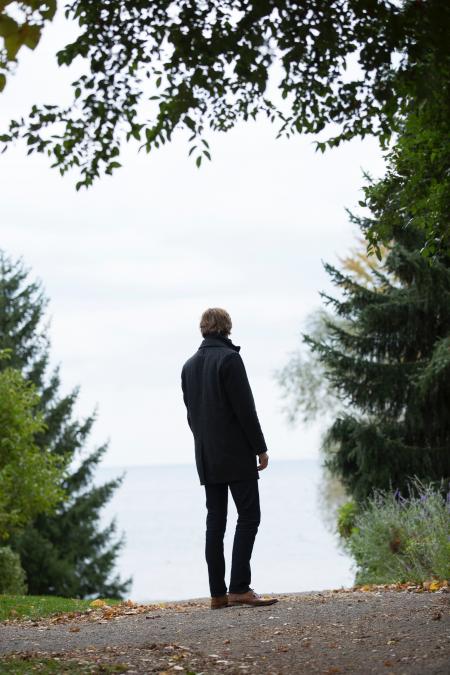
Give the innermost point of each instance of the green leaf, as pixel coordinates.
(32, 35)
(7, 26)
(189, 123)
(2, 84)
(49, 13)
(136, 131)
(198, 161)
(12, 44)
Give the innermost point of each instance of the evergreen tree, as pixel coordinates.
(65, 553)
(390, 363)
(385, 348)
(387, 357)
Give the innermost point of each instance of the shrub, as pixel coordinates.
(397, 539)
(346, 519)
(12, 575)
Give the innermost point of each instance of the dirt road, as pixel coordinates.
(390, 632)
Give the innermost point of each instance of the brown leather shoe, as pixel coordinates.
(250, 598)
(219, 602)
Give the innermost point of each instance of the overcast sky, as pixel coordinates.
(130, 265)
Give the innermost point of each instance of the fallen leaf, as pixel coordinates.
(434, 586)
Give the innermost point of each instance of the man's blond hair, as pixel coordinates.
(215, 320)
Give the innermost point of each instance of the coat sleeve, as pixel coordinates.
(183, 387)
(237, 388)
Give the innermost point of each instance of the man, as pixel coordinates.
(228, 438)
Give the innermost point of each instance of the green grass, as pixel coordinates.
(38, 606)
(18, 665)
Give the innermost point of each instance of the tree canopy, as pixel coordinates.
(154, 66)
(340, 69)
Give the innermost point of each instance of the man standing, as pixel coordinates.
(228, 438)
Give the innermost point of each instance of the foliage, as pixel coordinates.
(30, 477)
(39, 606)
(396, 539)
(346, 519)
(415, 192)
(21, 26)
(384, 351)
(65, 553)
(12, 574)
(382, 366)
(153, 67)
(305, 388)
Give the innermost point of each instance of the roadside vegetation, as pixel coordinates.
(41, 606)
(399, 539)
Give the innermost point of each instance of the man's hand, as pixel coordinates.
(263, 461)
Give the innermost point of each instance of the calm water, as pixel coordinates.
(162, 513)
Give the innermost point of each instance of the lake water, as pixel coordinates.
(162, 512)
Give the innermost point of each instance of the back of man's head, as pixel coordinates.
(215, 321)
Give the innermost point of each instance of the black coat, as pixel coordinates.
(221, 413)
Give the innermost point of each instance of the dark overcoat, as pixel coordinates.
(221, 413)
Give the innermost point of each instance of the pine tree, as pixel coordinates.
(388, 359)
(387, 354)
(65, 553)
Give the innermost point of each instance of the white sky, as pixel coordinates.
(130, 264)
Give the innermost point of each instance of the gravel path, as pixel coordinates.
(390, 632)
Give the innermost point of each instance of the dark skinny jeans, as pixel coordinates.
(246, 497)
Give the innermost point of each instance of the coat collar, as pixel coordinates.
(217, 340)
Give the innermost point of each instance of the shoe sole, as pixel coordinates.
(257, 603)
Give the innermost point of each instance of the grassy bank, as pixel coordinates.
(39, 606)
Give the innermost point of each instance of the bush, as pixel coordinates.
(346, 519)
(396, 539)
(12, 575)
